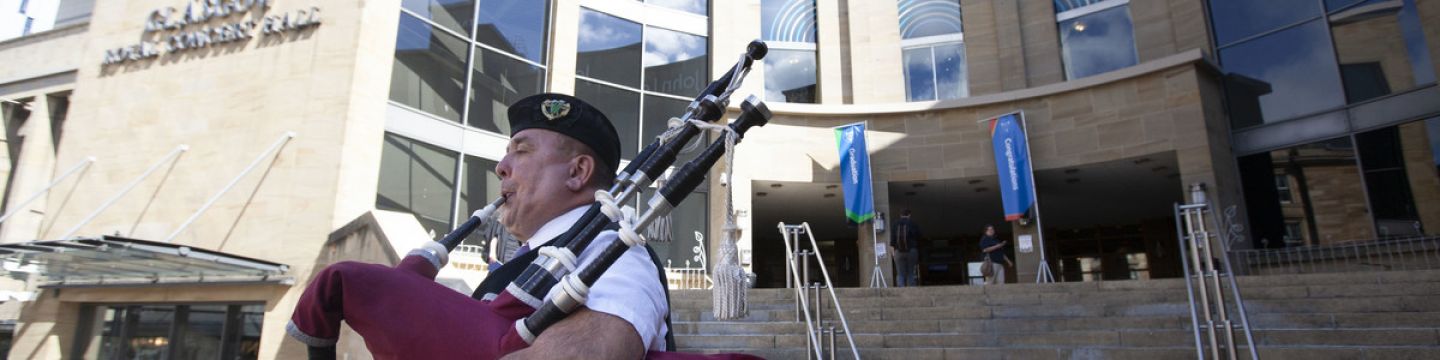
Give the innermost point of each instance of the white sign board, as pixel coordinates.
(1026, 244)
(879, 250)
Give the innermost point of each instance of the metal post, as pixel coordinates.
(832, 342)
(819, 305)
(1189, 286)
(174, 154)
(273, 148)
(789, 269)
(84, 164)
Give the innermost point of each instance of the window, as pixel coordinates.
(417, 178)
(1328, 194)
(1380, 47)
(1282, 75)
(429, 70)
(1282, 185)
(1095, 36)
(169, 331)
(639, 75)
(480, 186)
(1293, 234)
(933, 50)
(691, 6)
(502, 44)
(788, 27)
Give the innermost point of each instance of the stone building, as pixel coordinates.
(284, 135)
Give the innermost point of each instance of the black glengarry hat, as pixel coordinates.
(572, 117)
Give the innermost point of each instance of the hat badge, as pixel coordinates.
(554, 108)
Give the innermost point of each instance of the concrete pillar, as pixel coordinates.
(32, 171)
(565, 41)
(1027, 265)
(830, 68)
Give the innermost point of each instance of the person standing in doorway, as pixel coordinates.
(993, 250)
(905, 239)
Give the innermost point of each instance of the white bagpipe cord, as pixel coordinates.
(728, 294)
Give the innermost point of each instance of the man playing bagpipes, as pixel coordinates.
(561, 151)
(585, 285)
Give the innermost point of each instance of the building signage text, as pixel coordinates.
(204, 23)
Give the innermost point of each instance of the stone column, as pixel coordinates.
(32, 171)
(1027, 265)
(829, 70)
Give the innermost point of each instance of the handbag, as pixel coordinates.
(987, 269)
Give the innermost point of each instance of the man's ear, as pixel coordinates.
(581, 169)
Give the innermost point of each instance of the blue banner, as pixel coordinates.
(1012, 159)
(855, 172)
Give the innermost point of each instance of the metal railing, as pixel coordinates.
(1209, 312)
(1395, 254)
(818, 332)
(687, 277)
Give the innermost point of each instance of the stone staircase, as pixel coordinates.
(1373, 315)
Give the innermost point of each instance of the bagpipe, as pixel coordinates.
(551, 287)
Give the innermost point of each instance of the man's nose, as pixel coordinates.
(503, 168)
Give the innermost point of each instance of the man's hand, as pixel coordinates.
(586, 334)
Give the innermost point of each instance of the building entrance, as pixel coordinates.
(821, 205)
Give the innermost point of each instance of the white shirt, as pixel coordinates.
(630, 289)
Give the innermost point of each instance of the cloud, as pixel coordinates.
(665, 46)
(601, 32)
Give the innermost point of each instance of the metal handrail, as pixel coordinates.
(840, 311)
(800, 293)
(1190, 227)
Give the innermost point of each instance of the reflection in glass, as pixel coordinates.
(1281, 76)
(429, 70)
(675, 62)
(658, 111)
(609, 49)
(1400, 165)
(787, 20)
(417, 178)
(691, 6)
(1328, 194)
(919, 74)
(455, 15)
(246, 340)
(951, 78)
(622, 107)
(688, 244)
(481, 186)
(514, 26)
(1097, 43)
(1381, 49)
(203, 325)
(1238, 19)
(499, 81)
(921, 18)
(790, 76)
(137, 332)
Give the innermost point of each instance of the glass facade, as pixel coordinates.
(417, 178)
(170, 331)
(933, 50)
(502, 43)
(789, 27)
(1095, 38)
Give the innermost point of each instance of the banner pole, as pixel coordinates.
(876, 273)
(1043, 274)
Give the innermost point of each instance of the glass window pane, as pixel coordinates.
(417, 178)
(609, 49)
(455, 15)
(687, 232)
(498, 81)
(790, 76)
(787, 20)
(1338, 5)
(429, 71)
(247, 340)
(1328, 196)
(1381, 50)
(675, 62)
(515, 26)
(953, 80)
(919, 74)
(692, 6)
(1237, 19)
(481, 187)
(658, 111)
(1281, 76)
(1097, 43)
(203, 328)
(622, 107)
(921, 18)
(146, 332)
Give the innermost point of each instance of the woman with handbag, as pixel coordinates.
(993, 251)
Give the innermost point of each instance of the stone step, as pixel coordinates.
(984, 353)
(942, 326)
(1074, 339)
